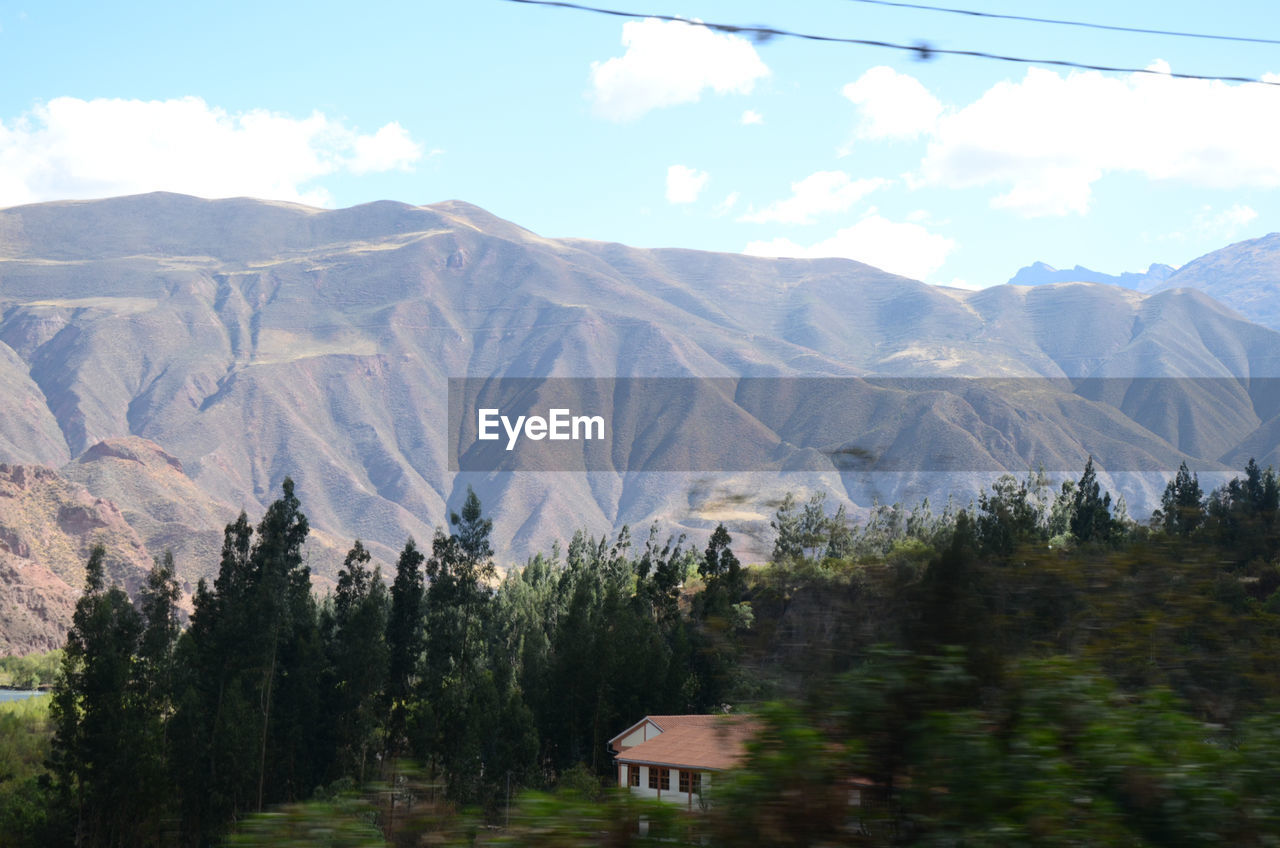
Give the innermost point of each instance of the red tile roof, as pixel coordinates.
(713, 742)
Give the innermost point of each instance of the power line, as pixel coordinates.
(921, 49)
(1086, 24)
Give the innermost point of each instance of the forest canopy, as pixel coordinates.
(1036, 667)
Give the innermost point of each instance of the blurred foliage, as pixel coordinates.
(339, 823)
(568, 820)
(1059, 756)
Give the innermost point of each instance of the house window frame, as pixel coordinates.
(633, 775)
(659, 778)
(690, 782)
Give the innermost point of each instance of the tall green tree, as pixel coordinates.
(105, 718)
(1009, 517)
(253, 664)
(216, 704)
(788, 540)
(358, 658)
(815, 527)
(660, 574)
(291, 657)
(156, 674)
(718, 561)
(1091, 519)
(404, 641)
(457, 696)
(1182, 508)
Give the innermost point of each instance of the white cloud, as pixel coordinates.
(667, 63)
(900, 248)
(730, 200)
(751, 116)
(685, 184)
(1228, 222)
(1048, 138)
(820, 193)
(72, 148)
(1220, 226)
(892, 105)
(388, 149)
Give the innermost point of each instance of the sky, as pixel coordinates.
(955, 170)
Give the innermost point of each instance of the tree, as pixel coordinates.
(1182, 504)
(100, 715)
(285, 612)
(253, 665)
(840, 540)
(215, 711)
(156, 675)
(158, 603)
(815, 528)
(404, 640)
(788, 543)
(723, 573)
(473, 531)
(454, 686)
(358, 658)
(1008, 517)
(661, 572)
(1091, 509)
(1259, 492)
(719, 561)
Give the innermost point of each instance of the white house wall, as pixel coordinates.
(643, 733)
(671, 792)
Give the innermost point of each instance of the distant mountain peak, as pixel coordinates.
(1042, 273)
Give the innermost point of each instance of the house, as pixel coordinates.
(675, 757)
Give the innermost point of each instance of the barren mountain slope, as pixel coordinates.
(1245, 276)
(252, 341)
(48, 525)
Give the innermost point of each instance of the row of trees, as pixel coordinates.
(1241, 514)
(1014, 512)
(271, 695)
(166, 736)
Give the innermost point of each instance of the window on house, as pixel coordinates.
(691, 781)
(633, 775)
(659, 778)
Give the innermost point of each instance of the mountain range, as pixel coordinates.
(176, 358)
(1040, 273)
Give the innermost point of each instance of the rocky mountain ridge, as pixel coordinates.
(48, 525)
(179, 357)
(1040, 273)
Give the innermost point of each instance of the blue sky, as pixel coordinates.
(956, 171)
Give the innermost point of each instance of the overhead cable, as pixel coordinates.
(922, 50)
(1087, 24)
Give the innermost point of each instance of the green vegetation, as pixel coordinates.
(24, 747)
(34, 671)
(1036, 670)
